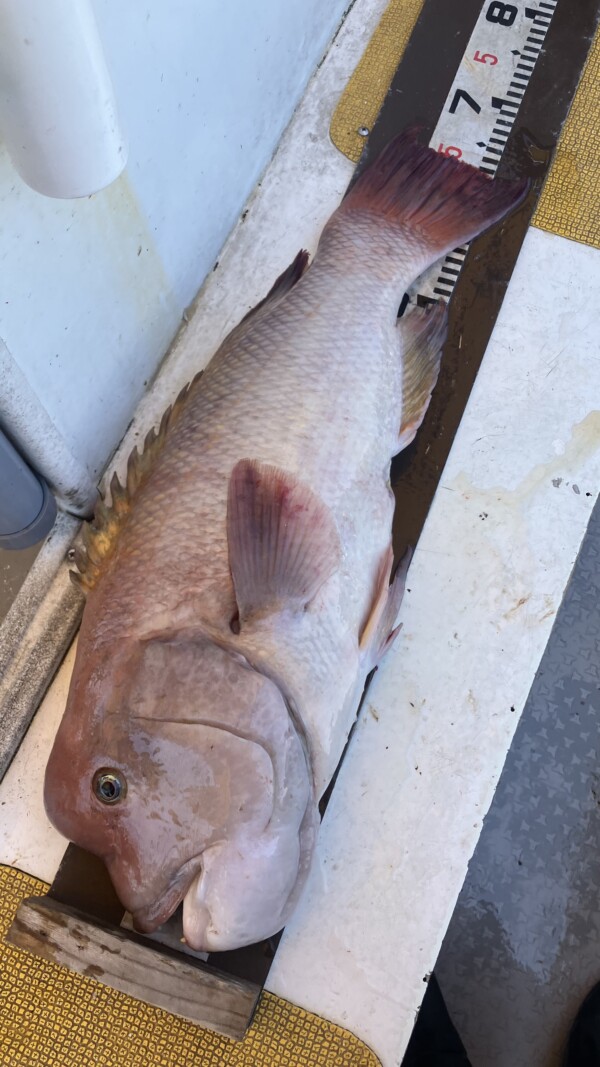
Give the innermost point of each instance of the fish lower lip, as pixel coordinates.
(148, 919)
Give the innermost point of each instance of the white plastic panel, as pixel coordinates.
(93, 291)
(58, 114)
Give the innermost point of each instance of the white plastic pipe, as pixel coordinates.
(58, 114)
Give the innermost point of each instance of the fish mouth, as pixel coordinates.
(149, 918)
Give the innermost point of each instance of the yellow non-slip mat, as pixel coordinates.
(361, 101)
(50, 1017)
(570, 201)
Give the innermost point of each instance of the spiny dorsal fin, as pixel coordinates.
(99, 537)
(423, 332)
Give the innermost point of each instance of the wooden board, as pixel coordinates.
(83, 882)
(120, 959)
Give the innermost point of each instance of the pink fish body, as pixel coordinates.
(240, 591)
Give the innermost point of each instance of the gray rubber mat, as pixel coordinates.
(523, 946)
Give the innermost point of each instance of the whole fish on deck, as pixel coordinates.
(239, 587)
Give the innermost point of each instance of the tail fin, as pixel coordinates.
(438, 198)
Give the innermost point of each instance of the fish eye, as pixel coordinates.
(109, 786)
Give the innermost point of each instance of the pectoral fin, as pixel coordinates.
(422, 332)
(379, 630)
(283, 544)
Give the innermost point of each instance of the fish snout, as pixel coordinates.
(148, 917)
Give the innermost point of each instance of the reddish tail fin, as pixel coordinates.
(435, 197)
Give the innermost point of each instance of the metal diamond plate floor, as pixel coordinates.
(523, 946)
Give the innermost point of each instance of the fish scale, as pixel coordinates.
(229, 405)
(241, 594)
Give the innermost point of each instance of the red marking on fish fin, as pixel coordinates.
(286, 281)
(283, 544)
(439, 198)
(422, 333)
(378, 631)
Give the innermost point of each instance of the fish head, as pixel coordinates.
(179, 765)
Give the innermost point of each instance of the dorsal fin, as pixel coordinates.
(286, 281)
(100, 536)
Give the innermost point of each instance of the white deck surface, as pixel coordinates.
(485, 584)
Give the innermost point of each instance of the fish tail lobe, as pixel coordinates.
(438, 200)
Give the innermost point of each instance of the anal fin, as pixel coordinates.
(283, 543)
(422, 334)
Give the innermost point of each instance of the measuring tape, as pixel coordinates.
(482, 105)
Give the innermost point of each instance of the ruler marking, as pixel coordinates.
(482, 106)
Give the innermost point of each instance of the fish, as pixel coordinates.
(240, 587)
